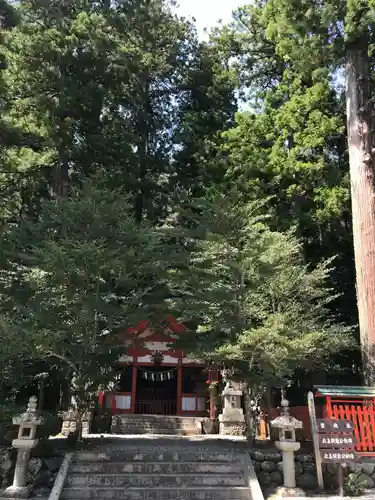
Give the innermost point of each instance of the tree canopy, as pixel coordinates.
(143, 169)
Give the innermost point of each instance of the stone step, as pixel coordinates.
(201, 493)
(156, 468)
(153, 481)
(135, 424)
(154, 431)
(156, 425)
(159, 455)
(158, 418)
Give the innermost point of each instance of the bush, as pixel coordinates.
(354, 486)
(7, 431)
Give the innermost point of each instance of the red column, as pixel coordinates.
(179, 390)
(100, 399)
(212, 406)
(134, 385)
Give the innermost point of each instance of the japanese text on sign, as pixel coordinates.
(339, 426)
(338, 457)
(336, 441)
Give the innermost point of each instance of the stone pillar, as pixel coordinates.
(26, 440)
(232, 420)
(86, 423)
(288, 450)
(288, 445)
(71, 422)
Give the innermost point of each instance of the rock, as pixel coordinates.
(256, 466)
(368, 469)
(6, 465)
(299, 468)
(304, 458)
(42, 492)
(369, 483)
(264, 477)
(332, 469)
(53, 464)
(309, 467)
(272, 457)
(307, 481)
(280, 466)
(258, 456)
(355, 467)
(42, 478)
(35, 465)
(268, 466)
(277, 477)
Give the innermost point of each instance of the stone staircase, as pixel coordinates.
(178, 468)
(156, 424)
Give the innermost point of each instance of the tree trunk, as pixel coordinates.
(361, 158)
(250, 427)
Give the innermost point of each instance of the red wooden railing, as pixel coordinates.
(156, 407)
(362, 413)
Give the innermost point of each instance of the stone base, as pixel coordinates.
(16, 492)
(284, 492)
(86, 423)
(232, 428)
(210, 426)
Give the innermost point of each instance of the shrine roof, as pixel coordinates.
(345, 390)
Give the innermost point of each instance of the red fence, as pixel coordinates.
(362, 414)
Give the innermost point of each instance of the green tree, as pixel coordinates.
(84, 271)
(291, 145)
(259, 307)
(337, 37)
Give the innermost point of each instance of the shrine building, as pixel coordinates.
(155, 379)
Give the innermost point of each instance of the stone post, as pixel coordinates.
(71, 422)
(288, 445)
(25, 442)
(232, 420)
(86, 422)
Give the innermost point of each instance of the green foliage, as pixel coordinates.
(123, 94)
(258, 306)
(354, 486)
(80, 273)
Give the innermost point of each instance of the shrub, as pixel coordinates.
(354, 486)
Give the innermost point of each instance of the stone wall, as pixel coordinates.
(268, 466)
(41, 472)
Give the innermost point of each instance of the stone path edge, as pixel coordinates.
(60, 478)
(252, 481)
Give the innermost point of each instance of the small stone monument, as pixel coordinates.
(71, 422)
(232, 420)
(28, 423)
(288, 445)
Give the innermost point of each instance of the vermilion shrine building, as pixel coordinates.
(156, 379)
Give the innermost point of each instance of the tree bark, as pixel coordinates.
(361, 159)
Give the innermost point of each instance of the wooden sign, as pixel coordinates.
(331, 426)
(338, 456)
(336, 441)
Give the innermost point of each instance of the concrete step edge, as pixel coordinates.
(157, 474)
(145, 489)
(169, 462)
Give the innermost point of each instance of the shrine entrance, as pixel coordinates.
(156, 391)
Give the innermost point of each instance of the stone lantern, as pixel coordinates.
(28, 423)
(232, 420)
(287, 444)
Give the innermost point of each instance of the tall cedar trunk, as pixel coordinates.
(361, 158)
